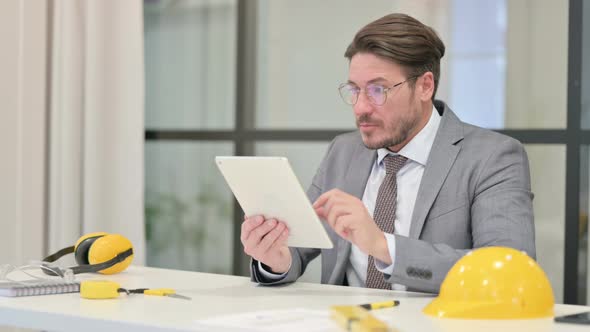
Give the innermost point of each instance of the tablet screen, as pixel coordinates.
(268, 186)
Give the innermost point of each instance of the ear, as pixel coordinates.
(425, 84)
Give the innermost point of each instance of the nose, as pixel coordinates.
(363, 105)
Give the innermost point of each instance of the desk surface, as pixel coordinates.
(214, 294)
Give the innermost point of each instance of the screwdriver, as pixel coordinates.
(158, 292)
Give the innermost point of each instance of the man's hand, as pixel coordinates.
(349, 218)
(266, 242)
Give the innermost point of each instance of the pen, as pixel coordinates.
(380, 305)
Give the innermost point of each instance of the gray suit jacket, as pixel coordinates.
(475, 192)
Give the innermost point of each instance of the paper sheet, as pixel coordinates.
(298, 319)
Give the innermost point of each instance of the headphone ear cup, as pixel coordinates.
(108, 247)
(83, 245)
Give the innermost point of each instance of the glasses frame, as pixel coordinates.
(385, 91)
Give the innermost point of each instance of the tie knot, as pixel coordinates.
(394, 163)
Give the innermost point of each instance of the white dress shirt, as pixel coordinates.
(408, 182)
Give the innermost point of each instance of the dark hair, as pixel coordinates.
(405, 41)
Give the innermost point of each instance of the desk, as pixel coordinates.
(215, 294)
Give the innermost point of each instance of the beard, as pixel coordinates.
(397, 131)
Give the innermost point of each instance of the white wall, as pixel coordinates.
(301, 59)
(536, 82)
(22, 129)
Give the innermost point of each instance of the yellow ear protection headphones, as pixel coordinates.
(96, 252)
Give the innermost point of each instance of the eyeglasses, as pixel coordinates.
(376, 93)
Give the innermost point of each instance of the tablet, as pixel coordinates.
(267, 186)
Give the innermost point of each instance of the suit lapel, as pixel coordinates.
(356, 178)
(442, 156)
(359, 170)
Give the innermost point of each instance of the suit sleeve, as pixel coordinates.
(300, 256)
(501, 215)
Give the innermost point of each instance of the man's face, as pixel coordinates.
(394, 123)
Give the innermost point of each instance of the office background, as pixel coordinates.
(223, 77)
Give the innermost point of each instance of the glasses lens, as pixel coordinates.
(376, 93)
(349, 93)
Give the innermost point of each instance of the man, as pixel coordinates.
(414, 189)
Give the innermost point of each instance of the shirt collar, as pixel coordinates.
(419, 147)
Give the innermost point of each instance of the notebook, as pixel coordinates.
(14, 289)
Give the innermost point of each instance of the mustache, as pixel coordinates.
(366, 119)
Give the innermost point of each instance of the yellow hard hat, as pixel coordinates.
(494, 283)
